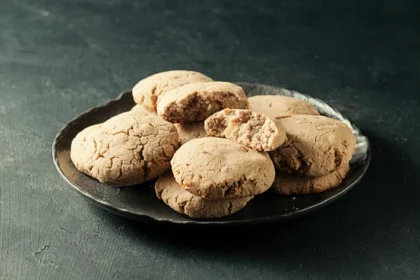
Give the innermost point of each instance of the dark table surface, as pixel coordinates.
(59, 58)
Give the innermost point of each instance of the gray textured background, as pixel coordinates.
(59, 58)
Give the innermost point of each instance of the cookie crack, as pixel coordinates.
(230, 190)
(153, 90)
(159, 193)
(144, 167)
(182, 205)
(339, 175)
(311, 187)
(322, 135)
(282, 163)
(230, 206)
(95, 145)
(120, 173)
(337, 158)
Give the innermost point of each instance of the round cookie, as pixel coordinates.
(278, 106)
(247, 128)
(286, 184)
(148, 90)
(195, 102)
(217, 168)
(184, 202)
(126, 150)
(316, 146)
(188, 131)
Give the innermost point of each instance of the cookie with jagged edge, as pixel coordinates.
(315, 146)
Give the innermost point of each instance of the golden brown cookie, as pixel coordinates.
(277, 106)
(247, 128)
(195, 102)
(287, 184)
(217, 168)
(188, 131)
(126, 150)
(184, 202)
(148, 90)
(316, 146)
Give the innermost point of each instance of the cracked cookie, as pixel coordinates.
(188, 131)
(247, 128)
(277, 106)
(217, 168)
(126, 150)
(195, 102)
(287, 184)
(184, 202)
(316, 146)
(148, 90)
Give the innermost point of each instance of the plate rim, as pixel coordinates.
(147, 218)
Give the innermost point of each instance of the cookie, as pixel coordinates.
(196, 102)
(286, 184)
(125, 150)
(247, 128)
(316, 146)
(184, 202)
(148, 90)
(217, 168)
(188, 131)
(277, 106)
(140, 109)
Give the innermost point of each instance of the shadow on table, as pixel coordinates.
(357, 234)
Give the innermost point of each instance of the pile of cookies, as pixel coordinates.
(212, 148)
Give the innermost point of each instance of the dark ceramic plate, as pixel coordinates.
(140, 202)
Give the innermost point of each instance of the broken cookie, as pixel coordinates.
(316, 146)
(148, 90)
(247, 128)
(184, 202)
(217, 168)
(126, 150)
(195, 102)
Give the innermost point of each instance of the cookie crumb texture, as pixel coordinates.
(287, 184)
(148, 90)
(184, 202)
(195, 102)
(217, 168)
(188, 131)
(126, 150)
(247, 128)
(316, 146)
(277, 106)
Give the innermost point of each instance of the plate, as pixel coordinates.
(140, 202)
